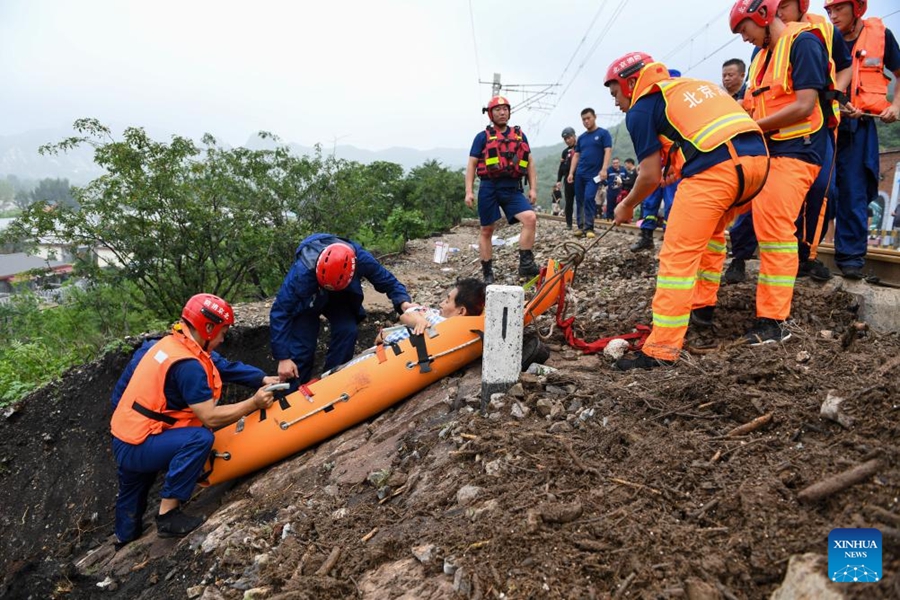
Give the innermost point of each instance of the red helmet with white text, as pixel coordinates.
(336, 266)
(750, 9)
(859, 6)
(624, 68)
(207, 314)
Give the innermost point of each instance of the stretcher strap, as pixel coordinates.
(380, 354)
(424, 361)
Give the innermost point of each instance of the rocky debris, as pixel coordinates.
(603, 484)
(806, 579)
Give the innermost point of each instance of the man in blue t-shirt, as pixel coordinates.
(588, 171)
(500, 162)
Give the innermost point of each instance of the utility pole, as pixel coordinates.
(495, 87)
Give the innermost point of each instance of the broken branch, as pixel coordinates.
(750, 426)
(839, 482)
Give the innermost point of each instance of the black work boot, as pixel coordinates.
(703, 316)
(736, 272)
(645, 242)
(487, 269)
(527, 268)
(176, 524)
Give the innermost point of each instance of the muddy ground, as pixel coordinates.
(581, 483)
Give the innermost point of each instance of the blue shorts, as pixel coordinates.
(492, 199)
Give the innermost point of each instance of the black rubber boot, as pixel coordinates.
(487, 269)
(527, 268)
(736, 271)
(176, 524)
(645, 242)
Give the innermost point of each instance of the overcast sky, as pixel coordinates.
(372, 74)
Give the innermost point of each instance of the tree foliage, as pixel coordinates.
(180, 217)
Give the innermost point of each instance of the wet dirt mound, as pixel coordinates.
(582, 482)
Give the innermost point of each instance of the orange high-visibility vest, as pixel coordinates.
(869, 86)
(700, 113)
(142, 410)
(773, 90)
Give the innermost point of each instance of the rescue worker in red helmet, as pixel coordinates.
(790, 95)
(693, 130)
(874, 49)
(325, 279)
(500, 157)
(165, 405)
(812, 218)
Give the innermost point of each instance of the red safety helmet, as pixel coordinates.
(624, 68)
(205, 310)
(495, 102)
(336, 266)
(804, 6)
(859, 6)
(749, 9)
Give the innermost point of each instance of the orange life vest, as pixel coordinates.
(702, 116)
(142, 410)
(869, 85)
(505, 154)
(772, 90)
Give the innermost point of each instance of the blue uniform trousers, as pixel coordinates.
(344, 312)
(808, 221)
(585, 201)
(857, 184)
(181, 453)
(662, 196)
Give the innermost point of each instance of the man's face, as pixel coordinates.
(569, 140)
(841, 16)
(752, 33)
(500, 115)
(589, 120)
(615, 163)
(220, 337)
(615, 90)
(449, 307)
(732, 78)
(789, 11)
(629, 166)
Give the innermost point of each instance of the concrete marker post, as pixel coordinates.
(504, 315)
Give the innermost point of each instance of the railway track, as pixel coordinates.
(883, 263)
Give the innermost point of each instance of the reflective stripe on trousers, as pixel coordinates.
(691, 259)
(775, 211)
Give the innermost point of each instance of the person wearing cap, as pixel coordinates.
(165, 405)
(565, 162)
(500, 157)
(688, 130)
(325, 279)
(874, 50)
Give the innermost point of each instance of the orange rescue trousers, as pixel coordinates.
(691, 259)
(775, 212)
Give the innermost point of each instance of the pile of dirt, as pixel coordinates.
(579, 482)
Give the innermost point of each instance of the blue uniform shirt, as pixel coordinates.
(591, 147)
(300, 292)
(646, 119)
(186, 381)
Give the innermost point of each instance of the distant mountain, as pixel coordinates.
(19, 156)
(406, 157)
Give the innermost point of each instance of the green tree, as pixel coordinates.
(53, 192)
